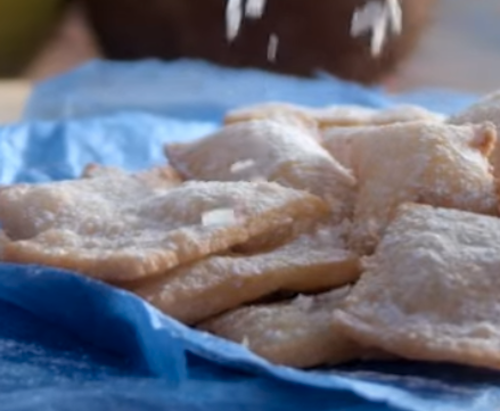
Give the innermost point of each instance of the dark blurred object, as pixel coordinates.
(313, 34)
(24, 26)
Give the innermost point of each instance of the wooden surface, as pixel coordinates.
(13, 95)
(461, 51)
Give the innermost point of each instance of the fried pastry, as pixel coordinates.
(334, 116)
(430, 163)
(298, 333)
(487, 109)
(119, 229)
(269, 111)
(430, 292)
(161, 177)
(338, 142)
(270, 150)
(212, 286)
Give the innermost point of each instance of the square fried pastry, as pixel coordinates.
(334, 116)
(430, 163)
(161, 177)
(487, 109)
(297, 333)
(195, 292)
(274, 110)
(430, 292)
(271, 150)
(117, 228)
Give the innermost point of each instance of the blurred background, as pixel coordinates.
(460, 50)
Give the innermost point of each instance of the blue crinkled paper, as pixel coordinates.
(70, 343)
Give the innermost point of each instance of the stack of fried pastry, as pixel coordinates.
(312, 236)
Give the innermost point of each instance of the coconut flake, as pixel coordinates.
(395, 16)
(376, 17)
(272, 48)
(234, 17)
(219, 216)
(245, 342)
(254, 9)
(242, 165)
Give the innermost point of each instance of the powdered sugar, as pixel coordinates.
(430, 291)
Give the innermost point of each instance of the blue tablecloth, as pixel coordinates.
(69, 343)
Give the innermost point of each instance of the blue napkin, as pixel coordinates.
(70, 343)
(195, 90)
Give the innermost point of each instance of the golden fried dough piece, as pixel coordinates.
(298, 333)
(118, 229)
(334, 116)
(430, 163)
(338, 142)
(270, 150)
(273, 111)
(162, 177)
(430, 292)
(345, 115)
(487, 109)
(209, 287)
(405, 113)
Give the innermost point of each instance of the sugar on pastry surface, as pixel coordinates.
(192, 293)
(430, 292)
(274, 150)
(297, 333)
(426, 162)
(119, 228)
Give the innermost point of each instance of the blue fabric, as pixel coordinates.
(194, 90)
(70, 343)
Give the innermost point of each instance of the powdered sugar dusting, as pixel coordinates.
(282, 151)
(296, 333)
(430, 292)
(220, 283)
(429, 162)
(117, 228)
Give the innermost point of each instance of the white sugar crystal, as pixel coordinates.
(234, 17)
(272, 48)
(220, 216)
(242, 165)
(254, 9)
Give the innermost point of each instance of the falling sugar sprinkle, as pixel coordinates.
(395, 16)
(242, 165)
(378, 37)
(272, 47)
(254, 9)
(377, 17)
(234, 17)
(220, 216)
(245, 342)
